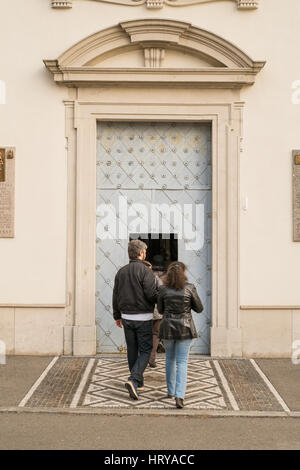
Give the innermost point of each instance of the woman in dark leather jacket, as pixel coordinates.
(176, 299)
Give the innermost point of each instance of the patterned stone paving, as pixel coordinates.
(211, 385)
(106, 388)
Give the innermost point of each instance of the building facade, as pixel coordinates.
(171, 120)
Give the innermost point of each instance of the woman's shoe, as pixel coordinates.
(160, 348)
(179, 402)
(152, 364)
(170, 396)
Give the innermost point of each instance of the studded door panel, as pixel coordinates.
(151, 163)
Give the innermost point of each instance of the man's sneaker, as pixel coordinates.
(141, 388)
(132, 389)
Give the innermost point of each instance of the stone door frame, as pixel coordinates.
(81, 118)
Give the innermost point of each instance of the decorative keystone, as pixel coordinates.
(67, 4)
(247, 4)
(155, 4)
(153, 57)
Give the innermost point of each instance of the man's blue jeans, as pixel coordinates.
(139, 340)
(177, 354)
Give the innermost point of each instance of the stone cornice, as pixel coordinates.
(157, 4)
(206, 77)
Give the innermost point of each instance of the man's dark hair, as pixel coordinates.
(135, 247)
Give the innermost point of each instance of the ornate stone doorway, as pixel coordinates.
(110, 78)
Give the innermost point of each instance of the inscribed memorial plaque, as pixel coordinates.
(7, 192)
(296, 194)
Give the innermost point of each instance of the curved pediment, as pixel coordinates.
(153, 56)
(128, 51)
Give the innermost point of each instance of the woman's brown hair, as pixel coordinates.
(175, 277)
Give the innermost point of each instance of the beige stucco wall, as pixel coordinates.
(33, 264)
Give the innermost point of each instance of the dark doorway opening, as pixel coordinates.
(162, 248)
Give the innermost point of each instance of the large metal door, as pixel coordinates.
(144, 171)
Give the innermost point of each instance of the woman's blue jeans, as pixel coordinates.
(177, 355)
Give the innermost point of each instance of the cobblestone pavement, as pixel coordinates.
(98, 383)
(60, 384)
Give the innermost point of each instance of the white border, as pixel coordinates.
(270, 386)
(82, 383)
(226, 386)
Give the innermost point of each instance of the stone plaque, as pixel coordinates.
(296, 194)
(2, 165)
(7, 192)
